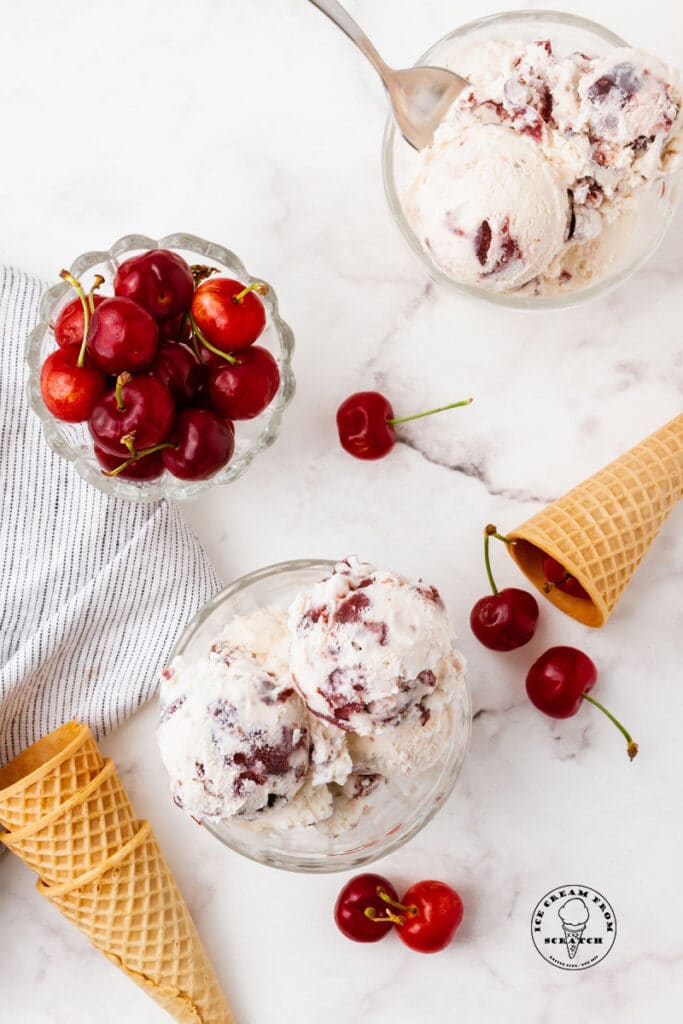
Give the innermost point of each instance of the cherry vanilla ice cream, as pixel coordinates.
(233, 733)
(300, 718)
(533, 177)
(368, 648)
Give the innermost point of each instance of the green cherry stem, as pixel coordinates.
(411, 910)
(371, 913)
(137, 456)
(492, 531)
(121, 381)
(207, 344)
(70, 279)
(631, 745)
(260, 287)
(97, 283)
(430, 412)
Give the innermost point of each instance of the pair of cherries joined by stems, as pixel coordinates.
(559, 681)
(161, 369)
(425, 919)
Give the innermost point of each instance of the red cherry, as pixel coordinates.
(148, 467)
(360, 911)
(563, 580)
(140, 407)
(433, 912)
(202, 443)
(558, 683)
(175, 328)
(70, 391)
(366, 421)
(177, 367)
(69, 325)
(122, 336)
(242, 390)
(228, 315)
(505, 619)
(160, 281)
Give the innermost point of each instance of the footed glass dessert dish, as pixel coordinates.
(390, 814)
(72, 441)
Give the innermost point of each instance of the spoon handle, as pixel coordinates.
(343, 20)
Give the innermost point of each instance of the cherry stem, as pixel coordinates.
(97, 283)
(631, 745)
(121, 381)
(488, 533)
(430, 412)
(70, 279)
(137, 456)
(207, 344)
(371, 914)
(200, 272)
(260, 287)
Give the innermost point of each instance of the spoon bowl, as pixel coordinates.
(419, 96)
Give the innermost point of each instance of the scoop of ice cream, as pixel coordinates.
(233, 733)
(489, 206)
(627, 106)
(418, 742)
(574, 912)
(605, 127)
(367, 646)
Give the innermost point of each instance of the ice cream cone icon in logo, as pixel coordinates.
(573, 927)
(574, 915)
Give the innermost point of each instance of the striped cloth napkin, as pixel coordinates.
(93, 590)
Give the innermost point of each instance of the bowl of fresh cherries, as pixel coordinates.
(160, 368)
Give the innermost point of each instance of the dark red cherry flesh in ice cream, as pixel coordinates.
(505, 619)
(366, 421)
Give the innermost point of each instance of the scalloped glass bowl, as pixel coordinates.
(72, 441)
(399, 159)
(398, 811)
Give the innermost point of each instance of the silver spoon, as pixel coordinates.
(419, 96)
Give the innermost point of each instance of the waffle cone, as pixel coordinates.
(47, 774)
(601, 530)
(79, 834)
(132, 911)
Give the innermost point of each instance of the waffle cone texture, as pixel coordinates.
(47, 774)
(601, 530)
(79, 834)
(69, 817)
(132, 911)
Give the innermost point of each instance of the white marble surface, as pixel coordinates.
(256, 125)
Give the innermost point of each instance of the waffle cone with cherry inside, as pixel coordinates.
(600, 531)
(132, 911)
(47, 774)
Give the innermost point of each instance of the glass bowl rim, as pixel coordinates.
(520, 304)
(320, 864)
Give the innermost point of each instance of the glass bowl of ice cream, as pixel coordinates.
(313, 716)
(555, 176)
